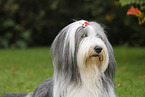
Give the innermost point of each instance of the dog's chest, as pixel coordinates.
(85, 90)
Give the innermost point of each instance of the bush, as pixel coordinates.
(27, 23)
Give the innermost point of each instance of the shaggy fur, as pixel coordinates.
(84, 64)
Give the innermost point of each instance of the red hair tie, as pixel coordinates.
(85, 24)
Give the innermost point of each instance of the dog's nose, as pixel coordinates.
(98, 49)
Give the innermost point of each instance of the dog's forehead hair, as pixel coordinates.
(80, 31)
(89, 30)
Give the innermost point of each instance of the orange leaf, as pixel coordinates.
(139, 22)
(120, 84)
(12, 69)
(140, 77)
(31, 73)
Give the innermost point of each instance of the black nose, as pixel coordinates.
(98, 49)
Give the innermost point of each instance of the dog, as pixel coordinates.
(84, 64)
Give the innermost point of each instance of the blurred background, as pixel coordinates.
(35, 23)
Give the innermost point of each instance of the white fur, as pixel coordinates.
(80, 68)
(29, 95)
(91, 69)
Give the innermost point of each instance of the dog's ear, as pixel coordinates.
(64, 60)
(110, 71)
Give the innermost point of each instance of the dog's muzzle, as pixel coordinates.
(97, 52)
(98, 49)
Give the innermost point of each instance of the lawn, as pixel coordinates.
(21, 70)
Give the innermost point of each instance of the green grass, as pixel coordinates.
(130, 72)
(21, 70)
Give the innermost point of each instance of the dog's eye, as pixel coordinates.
(84, 35)
(99, 37)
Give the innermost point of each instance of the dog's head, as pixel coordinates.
(80, 45)
(92, 50)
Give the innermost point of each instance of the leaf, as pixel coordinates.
(12, 69)
(127, 2)
(120, 84)
(140, 77)
(31, 74)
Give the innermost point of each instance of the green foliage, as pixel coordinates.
(27, 68)
(12, 33)
(138, 37)
(27, 23)
(126, 2)
(129, 2)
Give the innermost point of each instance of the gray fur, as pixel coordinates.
(13, 95)
(65, 63)
(45, 89)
